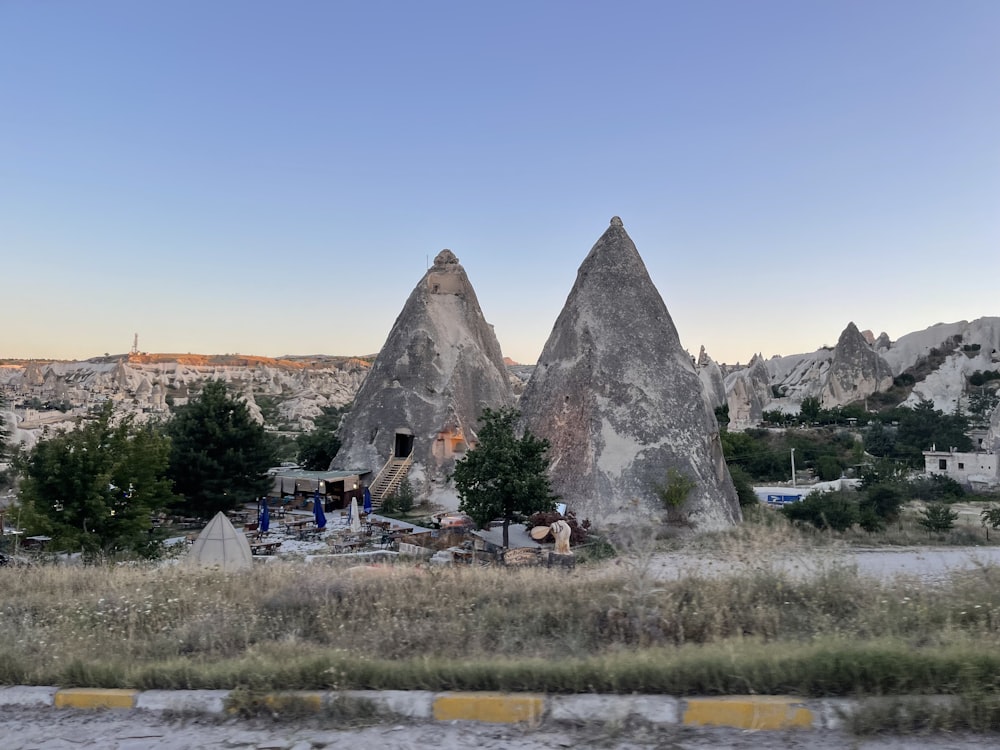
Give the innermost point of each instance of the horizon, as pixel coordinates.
(372, 355)
(239, 176)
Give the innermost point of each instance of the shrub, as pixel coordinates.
(884, 500)
(744, 487)
(938, 517)
(824, 510)
(674, 493)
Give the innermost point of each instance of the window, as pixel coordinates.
(961, 465)
(943, 464)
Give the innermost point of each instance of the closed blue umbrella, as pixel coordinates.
(265, 517)
(318, 510)
(368, 501)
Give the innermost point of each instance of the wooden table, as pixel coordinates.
(297, 525)
(263, 548)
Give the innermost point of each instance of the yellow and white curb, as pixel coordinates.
(751, 712)
(491, 708)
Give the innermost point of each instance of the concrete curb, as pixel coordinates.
(751, 712)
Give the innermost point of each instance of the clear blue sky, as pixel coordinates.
(272, 177)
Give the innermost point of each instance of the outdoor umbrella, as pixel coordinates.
(368, 501)
(318, 510)
(265, 517)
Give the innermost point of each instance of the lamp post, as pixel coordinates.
(793, 467)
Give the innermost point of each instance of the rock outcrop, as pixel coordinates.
(748, 391)
(856, 370)
(712, 379)
(620, 402)
(440, 366)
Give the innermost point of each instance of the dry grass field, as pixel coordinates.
(748, 625)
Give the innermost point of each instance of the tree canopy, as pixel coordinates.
(94, 488)
(316, 449)
(504, 475)
(220, 455)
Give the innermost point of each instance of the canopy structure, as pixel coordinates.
(221, 546)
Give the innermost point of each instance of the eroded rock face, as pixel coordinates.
(711, 379)
(748, 391)
(856, 370)
(620, 401)
(440, 366)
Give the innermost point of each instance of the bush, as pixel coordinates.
(883, 500)
(938, 517)
(825, 510)
(744, 487)
(674, 493)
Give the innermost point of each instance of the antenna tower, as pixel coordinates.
(135, 344)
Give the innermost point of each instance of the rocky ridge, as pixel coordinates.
(293, 390)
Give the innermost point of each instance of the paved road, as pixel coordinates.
(61, 729)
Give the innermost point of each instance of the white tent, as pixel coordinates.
(222, 546)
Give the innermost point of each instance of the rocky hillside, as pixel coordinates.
(950, 364)
(284, 394)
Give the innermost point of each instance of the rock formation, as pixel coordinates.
(856, 370)
(711, 379)
(440, 366)
(620, 402)
(748, 391)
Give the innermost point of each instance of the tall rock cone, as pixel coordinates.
(620, 401)
(856, 371)
(441, 365)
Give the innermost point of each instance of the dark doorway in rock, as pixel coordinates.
(404, 444)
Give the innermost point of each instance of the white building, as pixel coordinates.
(978, 470)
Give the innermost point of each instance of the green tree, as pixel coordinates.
(883, 500)
(220, 455)
(879, 441)
(6, 451)
(503, 476)
(990, 518)
(938, 517)
(924, 426)
(809, 410)
(93, 488)
(400, 501)
(317, 448)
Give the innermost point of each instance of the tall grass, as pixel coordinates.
(620, 627)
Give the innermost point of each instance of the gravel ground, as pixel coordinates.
(24, 728)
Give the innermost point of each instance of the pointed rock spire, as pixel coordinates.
(856, 370)
(440, 366)
(619, 400)
(712, 379)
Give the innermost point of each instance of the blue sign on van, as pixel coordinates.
(782, 499)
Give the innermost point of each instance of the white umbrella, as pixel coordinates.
(355, 518)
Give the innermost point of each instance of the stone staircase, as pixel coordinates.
(388, 479)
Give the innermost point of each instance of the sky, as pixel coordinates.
(271, 178)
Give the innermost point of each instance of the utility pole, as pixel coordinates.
(793, 467)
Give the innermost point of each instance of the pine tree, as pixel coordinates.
(503, 476)
(220, 455)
